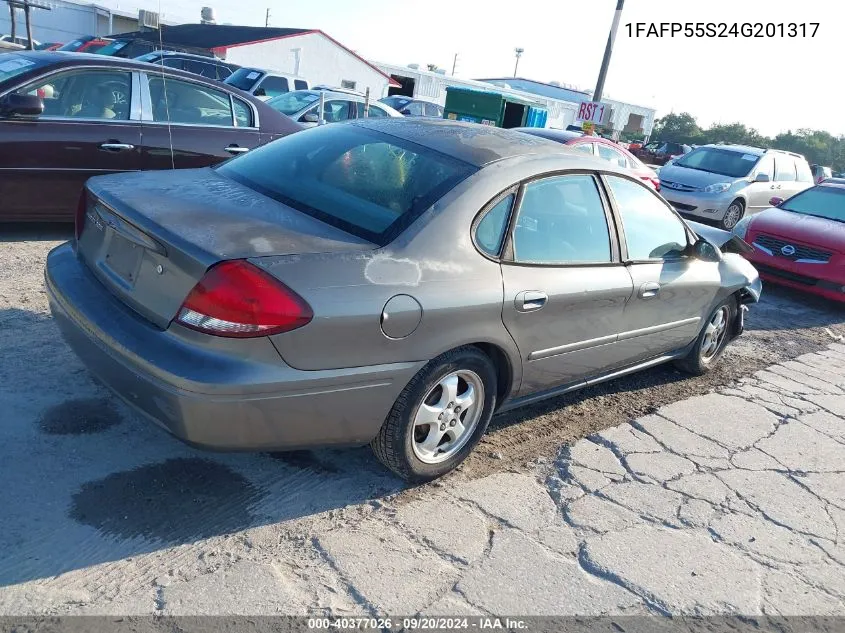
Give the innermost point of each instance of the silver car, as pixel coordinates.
(303, 106)
(385, 282)
(723, 183)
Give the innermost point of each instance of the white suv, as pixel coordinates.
(265, 84)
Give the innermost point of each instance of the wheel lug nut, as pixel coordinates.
(442, 427)
(457, 409)
(453, 423)
(451, 404)
(440, 417)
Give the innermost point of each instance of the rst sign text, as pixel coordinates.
(593, 112)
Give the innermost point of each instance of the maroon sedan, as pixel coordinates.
(65, 117)
(602, 147)
(800, 242)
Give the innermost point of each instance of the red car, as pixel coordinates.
(800, 242)
(88, 44)
(602, 147)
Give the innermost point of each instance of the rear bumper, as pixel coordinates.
(193, 385)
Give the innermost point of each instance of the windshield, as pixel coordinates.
(113, 48)
(822, 202)
(292, 102)
(397, 103)
(12, 65)
(243, 78)
(369, 184)
(719, 161)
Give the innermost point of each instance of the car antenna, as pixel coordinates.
(164, 89)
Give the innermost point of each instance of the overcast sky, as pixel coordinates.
(772, 84)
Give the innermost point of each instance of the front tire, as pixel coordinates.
(439, 417)
(711, 341)
(735, 212)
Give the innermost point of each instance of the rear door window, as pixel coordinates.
(186, 102)
(273, 86)
(561, 221)
(299, 84)
(784, 169)
(804, 173)
(432, 109)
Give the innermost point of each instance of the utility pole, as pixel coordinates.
(28, 17)
(27, 6)
(519, 52)
(12, 15)
(267, 17)
(454, 64)
(605, 63)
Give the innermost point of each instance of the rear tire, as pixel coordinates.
(712, 339)
(439, 417)
(735, 212)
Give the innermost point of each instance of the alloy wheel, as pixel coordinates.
(448, 416)
(714, 334)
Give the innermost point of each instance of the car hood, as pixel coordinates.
(201, 209)
(811, 230)
(692, 177)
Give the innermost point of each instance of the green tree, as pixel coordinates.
(677, 128)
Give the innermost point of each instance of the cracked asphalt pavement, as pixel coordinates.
(652, 495)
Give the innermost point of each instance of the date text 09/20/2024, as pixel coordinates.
(722, 29)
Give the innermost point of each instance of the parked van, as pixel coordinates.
(265, 84)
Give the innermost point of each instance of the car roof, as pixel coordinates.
(207, 58)
(745, 149)
(472, 143)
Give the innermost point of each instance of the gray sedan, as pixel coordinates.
(392, 282)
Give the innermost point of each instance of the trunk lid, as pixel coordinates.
(150, 236)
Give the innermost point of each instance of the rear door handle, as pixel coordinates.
(235, 149)
(649, 290)
(530, 300)
(116, 147)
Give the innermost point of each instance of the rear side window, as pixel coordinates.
(433, 110)
(490, 231)
(804, 173)
(187, 102)
(784, 169)
(561, 221)
(369, 184)
(652, 231)
(243, 113)
(299, 84)
(273, 86)
(612, 155)
(587, 148)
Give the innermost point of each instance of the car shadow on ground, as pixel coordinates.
(35, 232)
(87, 481)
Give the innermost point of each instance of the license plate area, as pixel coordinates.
(123, 259)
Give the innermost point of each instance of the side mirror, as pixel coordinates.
(310, 117)
(705, 251)
(762, 178)
(21, 105)
(776, 202)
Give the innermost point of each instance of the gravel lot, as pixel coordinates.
(103, 513)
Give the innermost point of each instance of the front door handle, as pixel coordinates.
(235, 149)
(530, 300)
(116, 147)
(649, 290)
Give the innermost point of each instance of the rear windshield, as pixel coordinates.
(112, 48)
(12, 65)
(243, 78)
(822, 202)
(369, 184)
(719, 161)
(292, 102)
(75, 45)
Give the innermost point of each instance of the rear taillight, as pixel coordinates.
(237, 299)
(79, 218)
